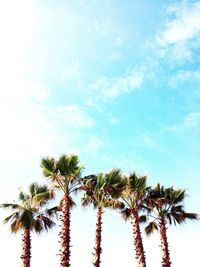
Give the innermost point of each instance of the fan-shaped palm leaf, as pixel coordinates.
(166, 206)
(64, 174)
(28, 216)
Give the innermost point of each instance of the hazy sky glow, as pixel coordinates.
(117, 82)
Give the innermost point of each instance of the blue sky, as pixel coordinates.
(116, 82)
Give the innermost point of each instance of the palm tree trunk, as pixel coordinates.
(140, 255)
(26, 248)
(164, 244)
(97, 247)
(65, 232)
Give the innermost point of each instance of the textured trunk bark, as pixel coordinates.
(65, 232)
(97, 247)
(140, 255)
(26, 248)
(164, 244)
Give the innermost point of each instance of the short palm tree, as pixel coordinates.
(165, 205)
(101, 191)
(64, 174)
(133, 198)
(28, 215)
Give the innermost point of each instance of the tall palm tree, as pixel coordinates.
(64, 174)
(165, 205)
(101, 191)
(133, 199)
(28, 215)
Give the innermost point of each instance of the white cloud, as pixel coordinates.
(71, 116)
(72, 72)
(148, 141)
(185, 25)
(25, 132)
(115, 55)
(104, 27)
(189, 122)
(192, 120)
(93, 145)
(184, 76)
(38, 93)
(113, 87)
(113, 120)
(181, 33)
(119, 41)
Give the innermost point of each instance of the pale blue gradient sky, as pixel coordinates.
(116, 82)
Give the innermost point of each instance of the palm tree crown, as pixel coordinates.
(28, 213)
(102, 191)
(134, 194)
(133, 198)
(165, 205)
(64, 174)
(29, 216)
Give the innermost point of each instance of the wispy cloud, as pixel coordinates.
(184, 76)
(113, 120)
(108, 88)
(184, 25)
(190, 122)
(71, 116)
(104, 27)
(25, 128)
(148, 141)
(93, 145)
(72, 72)
(38, 93)
(181, 32)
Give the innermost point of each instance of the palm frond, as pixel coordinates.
(42, 198)
(137, 183)
(13, 215)
(150, 228)
(42, 222)
(37, 226)
(87, 201)
(168, 203)
(53, 211)
(112, 203)
(191, 216)
(126, 214)
(11, 206)
(71, 203)
(48, 223)
(48, 166)
(69, 166)
(26, 218)
(143, 218)
(22, 197)
(16, 226)
(26, 215)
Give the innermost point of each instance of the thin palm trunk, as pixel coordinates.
(140, 255)
(97, 247)
(65, 232)
(164, 244)
(26, 248)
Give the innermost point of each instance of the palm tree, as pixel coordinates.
(64, 174)
(101, 191)
(165, 205)
(133, 198)
(28, 216)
